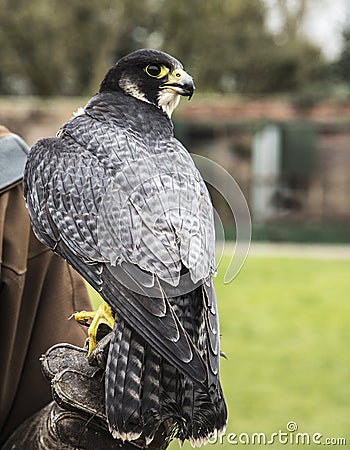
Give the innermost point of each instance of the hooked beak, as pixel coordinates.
(180, 82)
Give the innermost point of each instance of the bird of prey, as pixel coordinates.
(119, 197)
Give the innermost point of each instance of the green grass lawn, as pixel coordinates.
(285, 326)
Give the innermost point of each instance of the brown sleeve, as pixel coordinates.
(38, 293)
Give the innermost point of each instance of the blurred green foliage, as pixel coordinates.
(51, 47)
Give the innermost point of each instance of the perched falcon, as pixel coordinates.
(120, 199)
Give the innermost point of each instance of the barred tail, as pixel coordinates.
(123, 377)
(144, 391)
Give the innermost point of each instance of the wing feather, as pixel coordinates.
(86, 213)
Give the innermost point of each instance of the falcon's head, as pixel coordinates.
(151, 76)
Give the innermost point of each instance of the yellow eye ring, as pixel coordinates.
(156, 70)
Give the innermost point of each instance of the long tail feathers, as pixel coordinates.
(151, 394)
(143, 391)
(123, 383)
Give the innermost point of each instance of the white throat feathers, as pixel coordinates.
(168, 100)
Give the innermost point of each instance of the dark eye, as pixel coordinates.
(156, 70)
(153, 70)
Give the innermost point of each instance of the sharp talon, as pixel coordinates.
(84, 317)
(93, 319)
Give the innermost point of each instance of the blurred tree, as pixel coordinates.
(342, 66)
(293, 66)
(56, 46)
(65, 47)
(291, 17)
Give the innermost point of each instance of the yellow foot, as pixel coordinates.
(103, 314)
